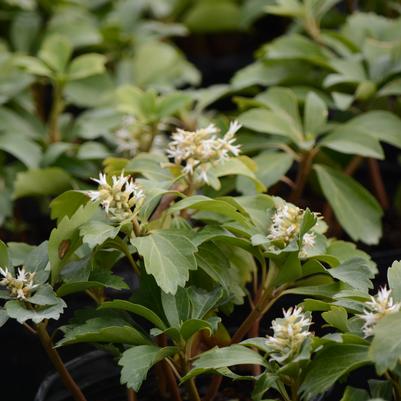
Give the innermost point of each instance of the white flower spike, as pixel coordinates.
(380, 305)
(198, 150)
(289, 334)
(121, 200)
(20, 286)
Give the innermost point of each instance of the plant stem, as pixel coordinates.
(131, 395)
(186, 366)
(378, 184)
(56, 110)
(396, 385)
(57, 362)
(303, 173)
(172, 383)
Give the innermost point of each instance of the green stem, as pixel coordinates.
(57, 362)
(56, 110)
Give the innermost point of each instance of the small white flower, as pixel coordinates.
(380, 305)
(199, 149)
(308, 242)
(119, 198)
(20, 286)
(286, 223)
(289, 333)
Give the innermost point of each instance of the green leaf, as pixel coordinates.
(355, 208)
(348, 140)
(86, 65)
(200, 202)
(337, 317)
(106, 329)
(96, 233)
(98, 278)
(168, 256)
(17, 310)
(268, 122)
(192, 326)
(355, 394)
(330, 365)
(41, 182)
(150, 166)
(315, 114)
(4, 259)
(264, 382)
(3, 317)
(137, 361)
(206, 16)
(137, 309)
(64, 239)
(355, 272)
(381, 125)
(217, 358)
(394, 280)
(67, 204)
(385, 349)
(272, 166)
(24, 149)
(56, 51)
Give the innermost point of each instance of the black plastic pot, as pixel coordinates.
(96, 373)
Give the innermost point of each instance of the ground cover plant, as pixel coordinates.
(213, 242)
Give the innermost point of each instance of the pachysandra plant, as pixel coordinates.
(189, 263)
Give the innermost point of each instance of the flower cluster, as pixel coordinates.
(286, 225)
(290, 333)
(20, 286)
(380, 305)
(125, 137)
(118, 199)
(197, 150)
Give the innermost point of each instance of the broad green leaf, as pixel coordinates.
(348, 140)
(56, 51)
(223, 15)
(169, 256)
(18, 311)
(381, 125)
(106, 329)
(268, 122)
(336, 317)
(96, 232)
(330, 365)
(355, 208)
(172, 103)
(86, 65)
(355, 272)
(150, 166)
(218, 358)
(355, 394)
(200, 202)
(4, 259)
(24, 149)
(98, 278)
(3, 317)
(192, 326)
(41, 182)
(385, 350)
(137, 361)
(272, 166)
(67, 204)
(24, 29)
(394, 280)
(264, 382)
(315, 114)
(136, 309)
(64, 239)
(241, 166)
